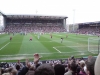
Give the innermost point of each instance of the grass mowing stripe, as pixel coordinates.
(11, 48)
(4, 39)
(31, 47)
(49, 45)
(3, 35)
(4, 46)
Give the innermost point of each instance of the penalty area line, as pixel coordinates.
(4, 46)
(56, 49)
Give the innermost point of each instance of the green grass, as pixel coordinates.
(21, 48)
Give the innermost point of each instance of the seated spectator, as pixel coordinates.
(97, 65)
(31, 71)
(8, 71)
(82, 64)
(90, 65)
(17, 67)
(44, 69)
(14, 72)
(0, 71)
(25, 69)
(72, 67)
(59, 69)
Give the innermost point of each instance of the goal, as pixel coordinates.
(94, 45)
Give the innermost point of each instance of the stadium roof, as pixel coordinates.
(88, 23)
(24, 16)
(34, 17)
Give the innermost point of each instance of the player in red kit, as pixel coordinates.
(10, 38)
(30, 39)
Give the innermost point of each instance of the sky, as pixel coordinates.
(77, 11)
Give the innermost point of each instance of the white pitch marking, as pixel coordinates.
(71, 46)
(41, 53)
(4, 46)
(57, 49)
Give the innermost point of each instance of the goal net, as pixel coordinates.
(94, 45)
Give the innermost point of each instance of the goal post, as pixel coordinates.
(94, 45)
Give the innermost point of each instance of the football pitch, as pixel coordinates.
(20, 47)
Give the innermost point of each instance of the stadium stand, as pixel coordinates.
(89, 28)
(31, 23)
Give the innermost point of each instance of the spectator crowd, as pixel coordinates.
(35, 28)
(89, 30)
(71, 66)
